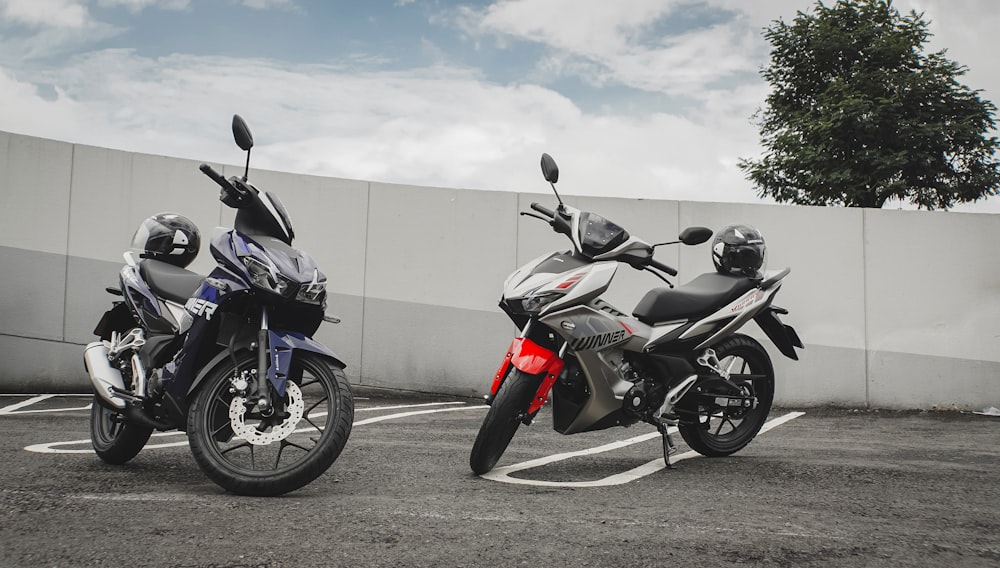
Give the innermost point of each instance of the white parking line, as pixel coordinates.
(56, 447)
(502, 474)
(398, 406)
(45, 410)
(416, 412)
(11, 408)
(16, 408)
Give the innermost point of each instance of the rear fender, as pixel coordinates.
(783, 336)
(530, 358)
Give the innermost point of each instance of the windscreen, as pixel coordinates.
(599, 235)
(282, 212)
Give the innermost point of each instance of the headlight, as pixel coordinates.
(311, 293)
(267, 277)
(533, 303)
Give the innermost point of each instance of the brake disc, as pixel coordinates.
(295, 407)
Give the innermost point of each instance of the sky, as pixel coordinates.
(633, 98)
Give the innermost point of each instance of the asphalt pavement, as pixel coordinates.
(822, 487)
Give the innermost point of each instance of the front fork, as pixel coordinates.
(263, 363)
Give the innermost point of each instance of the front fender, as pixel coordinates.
(282, 345)
(532, 359)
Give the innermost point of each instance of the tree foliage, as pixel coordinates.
(859, 114)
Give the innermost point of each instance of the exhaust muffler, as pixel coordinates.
(106, 379)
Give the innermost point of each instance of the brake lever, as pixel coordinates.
(528, 214)
(658, 275)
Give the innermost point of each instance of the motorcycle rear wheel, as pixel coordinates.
(503, 419)
(114, 440)
(275, 455)
(724, 431)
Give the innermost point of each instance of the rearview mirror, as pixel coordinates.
(695, 235)
(241, 132)
(549, 169)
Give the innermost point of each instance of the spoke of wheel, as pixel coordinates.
(243, 445)
(311, 423)
(219, 429)
(320, 401)
(220, 400)
(294, 445)
(285, 444)
(723, 423)
(277, 459)
(111, 426)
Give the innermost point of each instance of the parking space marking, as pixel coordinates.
(398, 406)
(502, 474)
(16, 408)
(58, 447)
(415, 413)
(50, 447)
(11, 408)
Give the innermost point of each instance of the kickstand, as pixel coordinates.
(669, 448)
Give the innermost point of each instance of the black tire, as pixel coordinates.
(724, 431)
(503, 419)
(309, 447)
(114, 440)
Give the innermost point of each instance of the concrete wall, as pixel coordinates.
(897, 309)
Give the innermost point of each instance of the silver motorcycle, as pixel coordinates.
(677, 360)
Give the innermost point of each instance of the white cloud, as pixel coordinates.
(36, 29)
(605, 42)
(594, 29)
(436, 126)
(140, 5)
(268, 4)
(45, 13)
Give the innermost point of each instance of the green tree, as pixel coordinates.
(859, 114)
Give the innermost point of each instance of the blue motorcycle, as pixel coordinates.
(229, 358)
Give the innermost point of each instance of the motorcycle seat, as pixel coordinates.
(171, 282)
(699, 297)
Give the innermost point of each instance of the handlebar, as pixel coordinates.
(232, 195)
(560, 224)
(543, 210)
(216, 176)
(662, 267)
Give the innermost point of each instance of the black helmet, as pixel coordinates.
(168, 237)
(739, 249)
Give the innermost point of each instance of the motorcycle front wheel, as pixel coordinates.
(114, 440)
(503, 419)
(721, 431)
(250, 453)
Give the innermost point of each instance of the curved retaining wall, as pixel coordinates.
(898, 309)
